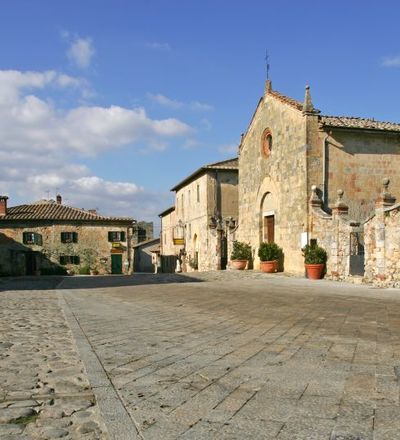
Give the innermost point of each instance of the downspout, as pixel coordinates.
(325, 171)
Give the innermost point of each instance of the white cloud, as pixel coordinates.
(28, 122)
(165, 101)
(41, 145)
(157, 46)
(81, 52)
(175, 104)
(228, 148)
(393, 61)
(201, 106)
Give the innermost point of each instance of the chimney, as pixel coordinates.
(3, 206)
(59, 199)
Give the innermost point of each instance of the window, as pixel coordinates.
(69, 259)
(116, 236)
(189, 197)
(69, 237)
(198, 193)
(32, 238)
(266, 143)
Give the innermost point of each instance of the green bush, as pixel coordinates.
(84, 270)
(314, 254)
(241, 251)
(269, 252)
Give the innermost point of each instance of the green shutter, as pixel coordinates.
(75, 237)
(62, 260)
(25, 237)
(123, 236)
(62, 237)
(110, 238)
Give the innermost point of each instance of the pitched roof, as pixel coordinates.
(50, 210)
(287, 100)
(229, 164)
(167, 211)
(358, 123)
(156, 242)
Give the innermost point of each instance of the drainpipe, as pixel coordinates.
(325, 171)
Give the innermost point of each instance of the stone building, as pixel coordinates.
(288, 147)
(199, 226)
(48, 237)
(142, 231)
(143, 255)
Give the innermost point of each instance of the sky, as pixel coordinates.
(111, 103)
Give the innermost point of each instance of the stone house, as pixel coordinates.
(289, 147)
(142, 231)
(200, 225)
(48, 237)
(143, 255)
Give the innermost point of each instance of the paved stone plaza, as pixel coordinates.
(220, 356)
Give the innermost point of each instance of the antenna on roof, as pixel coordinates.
(267, 62)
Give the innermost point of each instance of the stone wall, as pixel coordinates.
(282, 175)
(382, 246)
(356, 162)
(92, 247)
(333, 233)
(168, 223)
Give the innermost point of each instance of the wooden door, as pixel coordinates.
(116, 263)
(269, 228)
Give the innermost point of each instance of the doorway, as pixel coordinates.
(116, 264)
(30, 263)
(269, 228)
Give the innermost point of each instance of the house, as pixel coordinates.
(49, 237)
(290, 148)
(142, 231)
(199, 226)
(143, 255)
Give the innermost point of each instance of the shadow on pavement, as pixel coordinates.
(92, 282)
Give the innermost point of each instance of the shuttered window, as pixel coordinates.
(69, 259)
(116, 236)
(69, 237)
(32, 238)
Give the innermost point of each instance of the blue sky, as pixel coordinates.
(113, 102)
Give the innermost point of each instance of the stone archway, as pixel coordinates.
(268, 210)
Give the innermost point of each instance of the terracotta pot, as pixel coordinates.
(238, 264)
(269, 266)
(314, 271)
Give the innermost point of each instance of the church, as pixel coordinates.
(289, 148)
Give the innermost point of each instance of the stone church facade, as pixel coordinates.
(290, 147)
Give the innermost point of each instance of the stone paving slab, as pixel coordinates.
(44, 389)
(244, 355)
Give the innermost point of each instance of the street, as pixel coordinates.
(224, 355)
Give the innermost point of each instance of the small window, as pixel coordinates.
(69, 237)
(198, 193)
(32, 238)
(69, 259)
(266, 143)
(116, 236)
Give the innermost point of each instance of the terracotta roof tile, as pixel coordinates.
(361, 123)
(287, 100)
(45, 210)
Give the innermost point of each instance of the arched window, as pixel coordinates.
(266, 143)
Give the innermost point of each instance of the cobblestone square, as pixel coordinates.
(220, 355)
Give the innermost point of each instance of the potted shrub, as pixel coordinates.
(241, 254)
(269, 254)
(314, 261)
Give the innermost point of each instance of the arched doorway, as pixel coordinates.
(267, 218)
